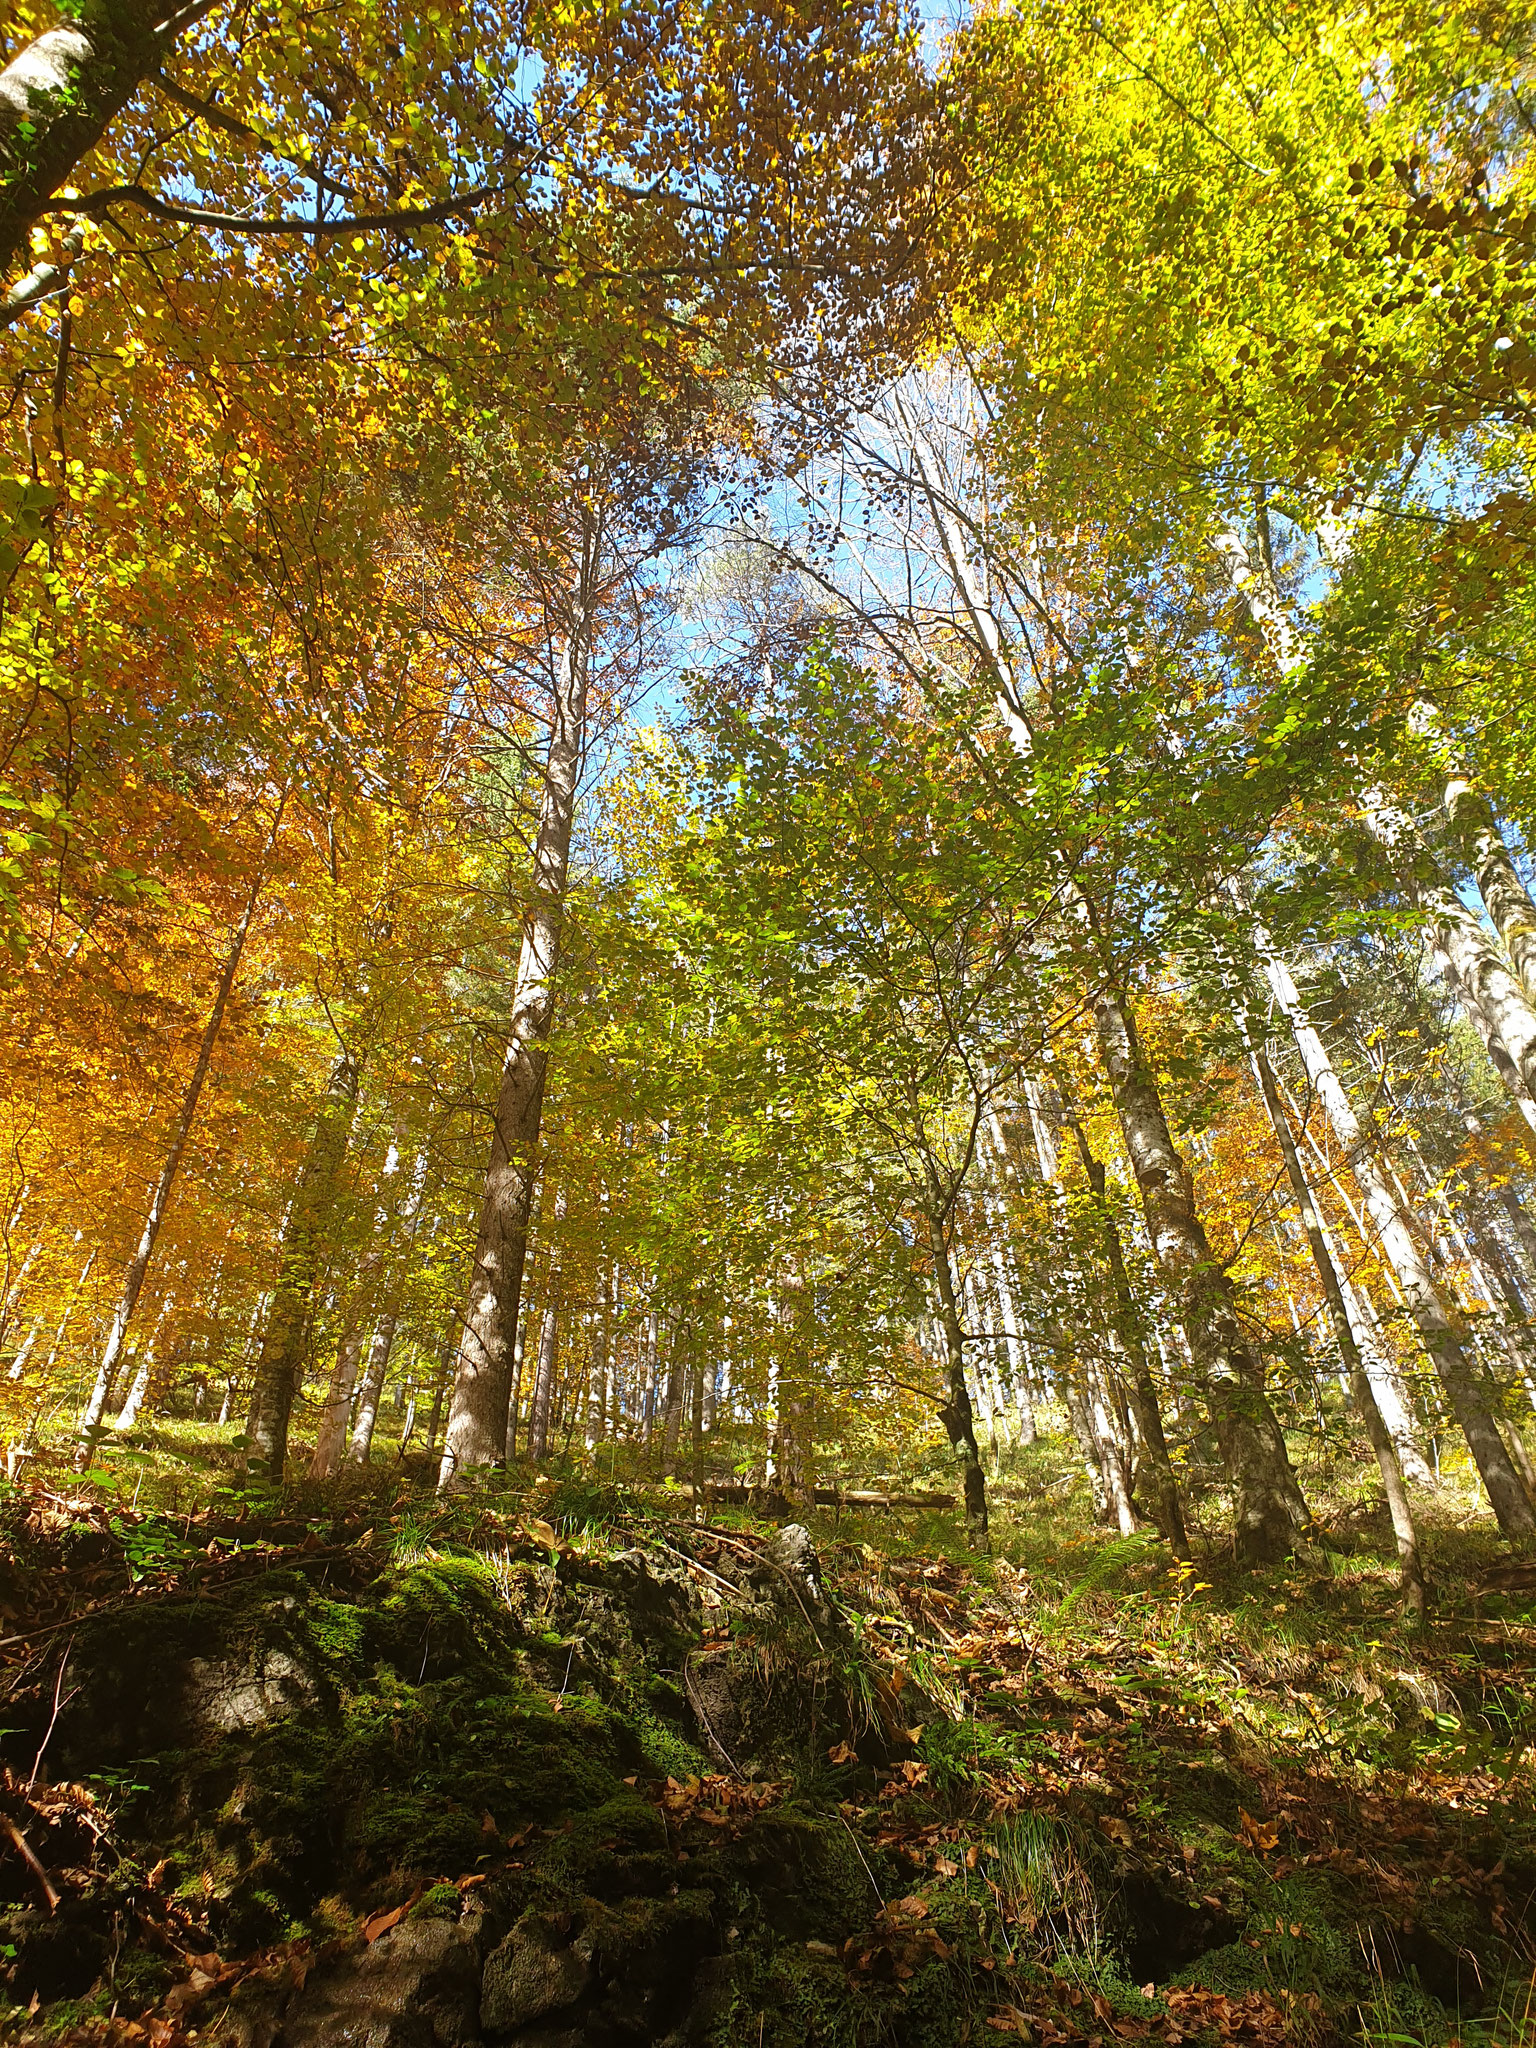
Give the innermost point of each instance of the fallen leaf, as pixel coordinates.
(842, 1753)
(380, 1923)
(1258, 1834)
(1117, 1830)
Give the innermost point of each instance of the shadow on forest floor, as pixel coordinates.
(555, 1764)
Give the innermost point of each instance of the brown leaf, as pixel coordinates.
(1117, 1830)
(380, 1923)
(1258, 1834)
(842, 1753)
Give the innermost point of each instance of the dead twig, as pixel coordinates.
(28, 1856)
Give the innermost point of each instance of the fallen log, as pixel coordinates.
(734, 1493)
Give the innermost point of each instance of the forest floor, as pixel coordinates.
(558, 1766)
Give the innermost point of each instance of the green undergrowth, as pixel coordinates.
(1074, 1781)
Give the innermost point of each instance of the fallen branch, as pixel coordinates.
(28, 1856)
(734, 1493)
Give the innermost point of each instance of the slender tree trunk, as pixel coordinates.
(331, 1436)
(545, 1369)
(955, 1412)
(138, 1265)
(331, 1432)
(1502, 1010)
(280, 1363)
(547, 1364)
(360, 1449)
(128, 1415)
(699, 1510)
(1074, 1398)
(1398, 1504)
(477, 1415)
(1499, 1055)
(440, 1378)
(1445, 1342)
(677, 1387)
(1167, 1508)
(1269, 1512)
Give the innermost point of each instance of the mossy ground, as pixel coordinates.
(1069, 1791)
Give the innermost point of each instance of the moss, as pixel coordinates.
(666, 1753)
(437, 1902)
(1292, 1945)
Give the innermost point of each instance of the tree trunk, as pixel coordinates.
(138, 1265)
(132, 1407)
(1167, 1508)
(1502, 1010)
(1269, 1513)
(360, 1449)
(677, 1389)
(547, 1365)
(477, 1415)
(331, 1432)
(282, 1347)
(58, 94)
(1498, 1053)
(1476, 832)
(440, 1375)
(1398, 1505)
(1443, 1339)
(955, 1412)
(699, 1505)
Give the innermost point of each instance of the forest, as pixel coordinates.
(768, 1064)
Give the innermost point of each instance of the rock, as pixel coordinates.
(660, 1604)
(416, 1987)
(229, 1696)
(791, 1570)
(533, 1973)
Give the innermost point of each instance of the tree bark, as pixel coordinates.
(1500, 1007)
(1476, 833)
(58, 94)
(1167, 1508)
(1443, 1339)
(1269, 1512)
(1498, 1053)
(282, 1345)
(360, 1449)
(477, 1416)
(546, 1365)
(955, 1412)
(1398, 1504)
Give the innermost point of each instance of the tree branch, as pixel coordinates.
(97, 204)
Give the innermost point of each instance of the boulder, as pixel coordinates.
(536, 1971)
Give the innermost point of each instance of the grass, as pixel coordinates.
(1250, 1787)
